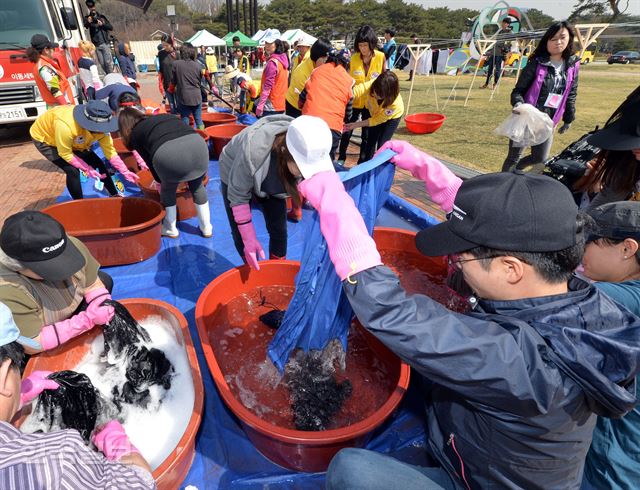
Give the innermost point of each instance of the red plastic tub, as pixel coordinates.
(184, 199)
(290, 448)
(173, 470)
(214, 118)
(116, 230)
(221, 135)
(424, 122)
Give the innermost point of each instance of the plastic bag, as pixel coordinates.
(529, 127)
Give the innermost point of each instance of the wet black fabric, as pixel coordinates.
(273, 318)
(76, 404)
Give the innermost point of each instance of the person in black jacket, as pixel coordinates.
(99, 27)
(186, 82)
(516, 383)
(495, 56)
(166, 58)
(550, 83)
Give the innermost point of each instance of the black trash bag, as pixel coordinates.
(570, 164)
(123, 331)
(273, 318)
(76, 404)
(315, 394)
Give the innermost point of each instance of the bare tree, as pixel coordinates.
(599, 8)
(208, 7)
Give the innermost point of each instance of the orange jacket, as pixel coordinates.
(328, 92)
(277, 94)
(45, 92)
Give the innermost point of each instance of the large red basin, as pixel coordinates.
(221, 135)
(213, 118)
(294, 449)
(116, 230)
(173, 470)
(184, 199)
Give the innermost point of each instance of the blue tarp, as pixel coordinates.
(177, 274)
(319, 311)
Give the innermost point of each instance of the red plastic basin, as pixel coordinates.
(173, 470)
(290, 448)
(424, 122)
(221, 134)
(184, 199)
(214, 118)
(116, 230)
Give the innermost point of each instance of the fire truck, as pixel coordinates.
(62, 22)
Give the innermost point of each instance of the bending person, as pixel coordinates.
(50, 281)
(174, 153)
(64, 136)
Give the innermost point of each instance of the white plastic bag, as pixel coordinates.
(527, 128)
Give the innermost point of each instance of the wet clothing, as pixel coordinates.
(613, 461)
(127, 66)
(61, 459)
(275, 82)
(515, 385)
(35, 304)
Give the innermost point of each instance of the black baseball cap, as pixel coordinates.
(510, 211)
(507, 20)
(40, 42)
(90, 3)
(616, 220)
(40, 243)
(621, 135)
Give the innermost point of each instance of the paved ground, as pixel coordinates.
(31, 182)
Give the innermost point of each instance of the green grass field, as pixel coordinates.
(467, 135)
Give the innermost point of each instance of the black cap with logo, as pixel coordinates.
(515, 211)
(40, 243)
(616, 220)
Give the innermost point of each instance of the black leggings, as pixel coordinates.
(275, 217)
(346, 136)
(73, 174)
(379, 135)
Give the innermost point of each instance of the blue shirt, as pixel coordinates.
(390, 50)
(613, 461)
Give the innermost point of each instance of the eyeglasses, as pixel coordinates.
(455, 262)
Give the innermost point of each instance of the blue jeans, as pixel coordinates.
(186, 110)
(172, 101)
(361, 469)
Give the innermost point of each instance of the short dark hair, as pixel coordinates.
(391, 32)
(386, 86)
(235, 38)
(553, 267)
(15, 352)
(187, 52)
(542, 51)
(616, 241)
(128, 97)
(365, 34)
(319, 49)
(166, 38)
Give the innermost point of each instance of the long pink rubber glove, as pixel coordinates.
(112, 440)
(80, 164)
(141, 163)
(441, 183)
(252, 247)
(350, 247)
(34, 384)
(97, 293)
(119, 165)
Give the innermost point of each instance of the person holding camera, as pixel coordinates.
(99, 27)
(495, 55)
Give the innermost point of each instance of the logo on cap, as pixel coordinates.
(458, 213)
(53, 248)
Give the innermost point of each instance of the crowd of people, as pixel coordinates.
(533, 387)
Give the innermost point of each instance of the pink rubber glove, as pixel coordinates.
(80, 164)
(441, 183)
(119, 165)
(112, 440)
(252, 247)
(98, 313)
(89, 296)
(34, 384)
(52, 336)
(350, 247)
(141, 163)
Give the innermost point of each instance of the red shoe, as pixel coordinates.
(295, 215)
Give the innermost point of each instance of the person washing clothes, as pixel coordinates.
(64, 136)
(275, 78)
(515, 384)
(52, 84)
(299, 76)
(384, 103)
(174, 153)
(50, 281)
(246, 86)
(115, 86)
(262, 169)
(89, 75)
(550, 83)
(57, 459)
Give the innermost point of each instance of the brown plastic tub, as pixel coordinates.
(290, 448)
(116, 230)
(173, 470)
(221, 135)
(184, 199)
(213, 118)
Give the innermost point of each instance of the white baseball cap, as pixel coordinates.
(309, 142)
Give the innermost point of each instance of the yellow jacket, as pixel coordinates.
(296, 61)
(379, 114)
(212, 63)
(299, 77)
(59, 129)
(356, 70)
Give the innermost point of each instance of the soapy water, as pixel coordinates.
(157, 428)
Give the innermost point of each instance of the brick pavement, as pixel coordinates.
(31, 182)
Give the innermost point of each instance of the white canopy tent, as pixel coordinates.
(258, 35)
(293, 35)
(205, 38)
